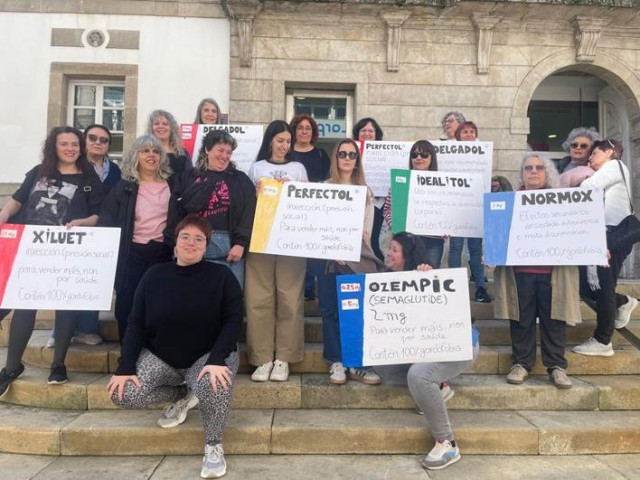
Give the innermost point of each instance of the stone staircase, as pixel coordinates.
(307, 415)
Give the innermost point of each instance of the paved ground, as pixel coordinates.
(279, 467)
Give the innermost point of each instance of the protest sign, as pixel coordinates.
(561, 226)
(47, 267)
(404, 317)
(248, 137)
(312, 220)
(436, 203)
(466, 157)
(378, 158)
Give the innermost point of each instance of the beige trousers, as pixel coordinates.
(274, 299)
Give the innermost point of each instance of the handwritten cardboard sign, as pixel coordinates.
(466, 157)
(562, 226)
(57, 268)
(404, 317)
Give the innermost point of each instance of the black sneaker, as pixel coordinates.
(58, 375)
(6, 378)
(482, 296)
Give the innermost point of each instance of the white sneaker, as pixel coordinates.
(338, 375)
(594, 348)
(176, 413)
(365, 375)
(51, 342)
(87, 339)
(442, 455)
(261, 374)
(280, 372)
(623, 315)
(213, 463)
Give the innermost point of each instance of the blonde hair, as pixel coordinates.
(357, 175)
(130, 162)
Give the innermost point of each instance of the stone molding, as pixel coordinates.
(587, 34)
(484, 27)
(394, 19)
(243, 13)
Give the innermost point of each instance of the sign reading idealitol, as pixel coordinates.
(45, 267)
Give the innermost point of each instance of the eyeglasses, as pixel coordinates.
(450, 120)
(197, 239)
(420, 154)
(367, 130)
(581, 146)
(301, 128)
(537, 168)
(95, 138)
(342, 154)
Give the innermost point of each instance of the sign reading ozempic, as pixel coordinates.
(313, 220)
(562, 226)
(404, 317)
(57, 268)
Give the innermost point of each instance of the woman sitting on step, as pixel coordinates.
(406, 252)
(181, 341)
(549, 293)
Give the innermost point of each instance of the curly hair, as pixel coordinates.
(49, 166)
(553, 177)
(130, 162)
(210, 140)
(413, 250)
(175, 140)
(295, 121)
(589, 132)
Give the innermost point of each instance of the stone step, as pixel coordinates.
(492, 359)
(472, 392)
(307, 431)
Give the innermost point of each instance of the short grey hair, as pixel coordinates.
(553, 177)
(590, 132)
(130, 162)
(175, 140)
(458, 116)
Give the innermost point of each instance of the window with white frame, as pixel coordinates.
(99, 102)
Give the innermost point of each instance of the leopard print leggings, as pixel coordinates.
(163, 383)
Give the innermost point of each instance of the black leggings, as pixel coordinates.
(22, 327)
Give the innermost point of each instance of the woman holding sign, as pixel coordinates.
(139, 205)
(63, 190)
(164, 127)
(548, 293)
(346, 169)
(406, 252)
(274, 284)
(598, 284)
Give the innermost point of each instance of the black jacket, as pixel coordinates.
(118, 210)
(242, 203)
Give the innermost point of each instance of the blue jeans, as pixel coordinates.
(328, 303)
(474, 246)
(217, 252)
(434, 248)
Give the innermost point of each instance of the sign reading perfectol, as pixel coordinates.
(57, 268)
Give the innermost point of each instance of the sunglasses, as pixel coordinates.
(420, 154)
(95, 138)
(343, 154)
(531, 168)
(581, 146)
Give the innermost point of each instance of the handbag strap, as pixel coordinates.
(626, 187)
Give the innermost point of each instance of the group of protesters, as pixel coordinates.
(184, 268)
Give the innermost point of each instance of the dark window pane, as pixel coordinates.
(551, 122)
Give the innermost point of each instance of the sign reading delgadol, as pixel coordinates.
(404, 317)
(312, 220)
(57, 268)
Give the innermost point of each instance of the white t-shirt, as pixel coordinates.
(293, 171)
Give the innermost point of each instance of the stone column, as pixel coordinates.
(394, 20)
(587, 34)
(243, 13)
(484, 27)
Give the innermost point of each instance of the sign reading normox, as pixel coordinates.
(57, 268)
(312, 220)
(562, 226)
(404, 317)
